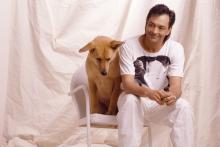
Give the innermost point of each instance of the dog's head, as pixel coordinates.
(102, 51)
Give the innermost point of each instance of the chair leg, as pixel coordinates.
(149, 136)
(88, 124)
(88, 119)
(88, 133)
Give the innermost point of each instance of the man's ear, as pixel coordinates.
(115, 44)
(87, 47)
(169, 31)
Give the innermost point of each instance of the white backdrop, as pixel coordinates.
(39, 53)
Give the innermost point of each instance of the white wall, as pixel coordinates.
(4, 51)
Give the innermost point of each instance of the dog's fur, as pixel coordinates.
(102, 66)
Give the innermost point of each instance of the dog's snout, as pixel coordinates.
(103, 72)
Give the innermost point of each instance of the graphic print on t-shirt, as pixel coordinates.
(141, 65)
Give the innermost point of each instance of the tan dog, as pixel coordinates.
(102, 66)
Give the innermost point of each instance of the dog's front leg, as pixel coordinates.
(112, 108)
(94, 101)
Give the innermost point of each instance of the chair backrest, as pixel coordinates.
(79, 78)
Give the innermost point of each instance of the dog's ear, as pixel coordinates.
(87, 47)
(115, 44)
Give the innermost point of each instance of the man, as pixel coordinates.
(158, 102)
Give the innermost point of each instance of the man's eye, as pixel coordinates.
(98, 59)
(150, 25)
(108, 59)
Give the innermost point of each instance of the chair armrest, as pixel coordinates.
(83, 104)
(80, 87)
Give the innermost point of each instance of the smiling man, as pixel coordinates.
(158, 99)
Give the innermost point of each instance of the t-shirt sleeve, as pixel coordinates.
(177, 61)
(126, 61)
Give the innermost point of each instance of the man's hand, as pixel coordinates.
(157, 95)
(161, 97)
(168, 97)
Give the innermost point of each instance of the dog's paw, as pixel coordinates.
(95, 110)
(111, 112)
(98, 109)
(108, 113)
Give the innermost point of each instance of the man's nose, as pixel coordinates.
(155, 30)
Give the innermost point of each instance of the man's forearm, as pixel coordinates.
(175, 86)
(136, 89)
(176, 91)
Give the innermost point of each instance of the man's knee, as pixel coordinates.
(183, 104)
(127, 99)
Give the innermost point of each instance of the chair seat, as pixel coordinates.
(97, 119)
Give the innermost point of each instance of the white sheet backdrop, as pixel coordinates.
(39, 53)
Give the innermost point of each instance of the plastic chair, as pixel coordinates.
(79, 93)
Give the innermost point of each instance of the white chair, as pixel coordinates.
(79, 92)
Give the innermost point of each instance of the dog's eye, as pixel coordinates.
(92, 50)
(108, 59)
(98, 59)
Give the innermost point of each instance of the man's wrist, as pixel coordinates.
(147, 91)
(171, 93)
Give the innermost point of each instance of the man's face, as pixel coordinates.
(157, 28)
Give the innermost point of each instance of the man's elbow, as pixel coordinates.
(124, 87)
(128, 83)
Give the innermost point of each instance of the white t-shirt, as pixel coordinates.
(154, 67)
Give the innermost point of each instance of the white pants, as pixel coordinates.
(133, 112)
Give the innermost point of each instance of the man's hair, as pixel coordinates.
(161, 9)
